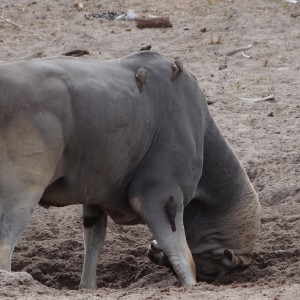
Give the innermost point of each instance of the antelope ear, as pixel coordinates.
(233, 260)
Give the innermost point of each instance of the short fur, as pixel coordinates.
(79, 131)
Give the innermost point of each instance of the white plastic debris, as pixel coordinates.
(291, 1)
(129, 16)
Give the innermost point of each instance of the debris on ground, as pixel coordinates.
(234, 51)
(78, 6)
(77, 53)
(267, 98)
(141, 22)
(109, 15)
(153, 22)
(148, 47)
(129, 16)
(9, 21)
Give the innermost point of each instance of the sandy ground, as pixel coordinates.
(265, 136)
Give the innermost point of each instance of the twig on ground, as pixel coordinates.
(90, 36)
(234, 51)
(245, 55)
(295, 14)
(10, 22)
(76, 53)
(270, 97)
(36, 55)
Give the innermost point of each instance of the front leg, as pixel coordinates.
(94, 222)
(151, 205)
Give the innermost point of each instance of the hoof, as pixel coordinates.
(88, 286)
(156, 255)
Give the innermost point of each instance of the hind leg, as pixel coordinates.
(16, 208)
(30, 149)
(31, 146)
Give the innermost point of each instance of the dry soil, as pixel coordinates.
(264, 134)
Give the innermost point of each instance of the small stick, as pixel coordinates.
(90, 36)
(234, 51)
(270, 97)
(10, 22)
(295, 15)
(76, 53)
(245, 55)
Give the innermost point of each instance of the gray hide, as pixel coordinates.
(130, 138)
